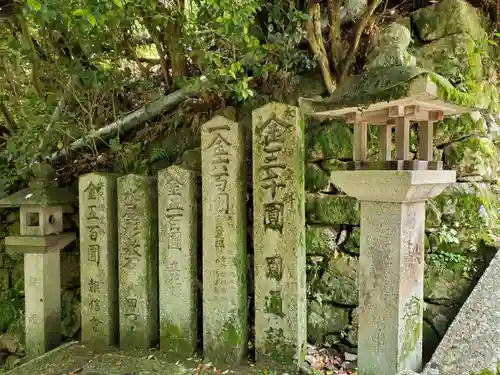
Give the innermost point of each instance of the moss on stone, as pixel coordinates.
(174, 341)
(339, 283)
(448, 17)
(321, 240)
(473, 157)
(353, 241)
(471, 209)
(332, 209)
(316, 179)
(332, 140)
(324, 319)
(445, 283)
(455, 57)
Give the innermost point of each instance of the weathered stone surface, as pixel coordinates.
(454, 57)
(177, 250)
(324, 319)
(71, 321)
(472, 342)
(191, 159)
(393, 235)
(316, 179)
(471, 210)
(353, 241)
(440, 316)
(339, 283)
(42, 291)
(99, 259)
(321, 240)
(138, 261)
(70, 269)
(333, 140)
(224, 241)
(446, 283)
(333, 165)
(390, 48)
(474, 159)
(448, 17)
(352, 332)
(279, 238)
(332, 209)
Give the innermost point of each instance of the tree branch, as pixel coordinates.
(315, 39)
(358, 33)
(334, 31)
(9, 120)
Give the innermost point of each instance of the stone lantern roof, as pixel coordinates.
(373, 92)
(393, 97)
(42, 192)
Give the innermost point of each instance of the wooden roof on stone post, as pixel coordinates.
(391, 97)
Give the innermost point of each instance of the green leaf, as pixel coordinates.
(34, 4)
(80, 12)
(91, 19)
(118, 3)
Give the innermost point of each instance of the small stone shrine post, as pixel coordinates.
(98, 259)
(138, 261)
(177, 248)
(279, 238)
(393, 195)
(41, 239)
(225, 328)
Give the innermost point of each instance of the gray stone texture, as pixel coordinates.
(472, 342)
(391, 264)
(225, 329)
(42, 295)
(138, 261)
(99, 259)
(279, 235)
(177, 250)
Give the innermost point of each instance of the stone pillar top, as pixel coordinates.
(392, 186)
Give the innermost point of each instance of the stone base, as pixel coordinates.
(395, 165)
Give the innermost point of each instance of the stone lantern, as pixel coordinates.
(392, 191)
(41, 239)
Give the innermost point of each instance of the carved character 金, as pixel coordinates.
(93, 253)
(273, 134)
(220, 144)
(174, 187)
(274, 303)
(273, 216)
(92, 191)
(274, 268)
(93, 286)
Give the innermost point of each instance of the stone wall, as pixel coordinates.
(461, 226)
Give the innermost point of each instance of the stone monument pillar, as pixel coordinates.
(99, 259)
(138, 261)
(225, 327)
(177, 249)
(279, 237)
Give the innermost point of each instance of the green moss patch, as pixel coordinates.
(332, 209)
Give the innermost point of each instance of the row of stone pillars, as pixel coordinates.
(139, 284)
